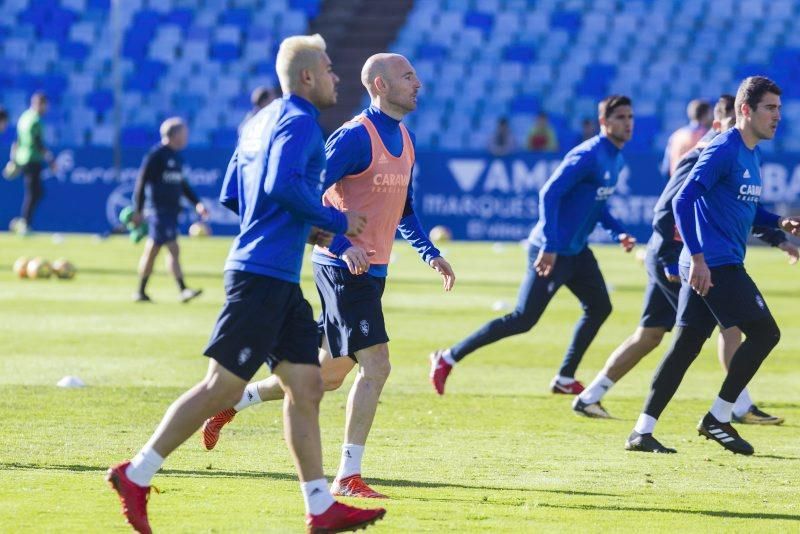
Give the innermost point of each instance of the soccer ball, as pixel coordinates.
(64, 269)
(21, 267)
(199, 229)
(39, 268)
(441, 234)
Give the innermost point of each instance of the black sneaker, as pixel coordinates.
(141, 297)
(188, 294)
(646, 443)
(724, 434)
(594, 410)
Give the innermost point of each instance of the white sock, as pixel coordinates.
(144, 466)
(721, 410)
(599, 386)
(448, 357)
(645, 424)
(350, 463)
(249, 397)
(316, 496)
(742, 404)
(565, 380)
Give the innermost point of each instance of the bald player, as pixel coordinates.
(157, 199)
(369, 170)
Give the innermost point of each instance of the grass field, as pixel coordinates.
(498, 453)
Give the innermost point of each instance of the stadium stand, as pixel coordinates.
(479, 60)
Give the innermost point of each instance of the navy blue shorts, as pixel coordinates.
(162, 228)
(352, 315)
(732, 301)
(264, 320)
(660, 296)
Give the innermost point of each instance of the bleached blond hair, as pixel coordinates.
(170, 127)
(295, 54)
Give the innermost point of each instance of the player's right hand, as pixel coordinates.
(671, 272)
(356, 223)
(545, 263)
(357, 259)
(791, 225)
(791, 251)
(318, 236)
(700, 275)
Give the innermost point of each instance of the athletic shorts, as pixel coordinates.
(660, 296)
(352, 315)
(732, 301)
(264, 320)
(162, 228)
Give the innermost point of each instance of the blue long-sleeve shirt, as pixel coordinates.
(349, 151)
(718, 204)
(573, 200)
(274, 183)
(663, 241)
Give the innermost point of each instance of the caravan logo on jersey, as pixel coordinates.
(389, 182)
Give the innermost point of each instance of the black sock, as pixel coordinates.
(142, 284)
(181, 285)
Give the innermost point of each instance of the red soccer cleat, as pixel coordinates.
(213, 426)
(354, 486)
(342, 518)
(132, 496)
(573, 388)
(440, 369)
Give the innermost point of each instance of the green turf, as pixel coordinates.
(498, 453)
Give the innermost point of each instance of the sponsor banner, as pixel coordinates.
(478, 197)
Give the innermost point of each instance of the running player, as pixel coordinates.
(157, 198)
(272, 183)
(715, 210)
(370, 160)
(661, 294)
(571, 204)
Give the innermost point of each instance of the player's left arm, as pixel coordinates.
(412, 231)
(189, 193)
(229, 194)
(777, 238)
(616, 229)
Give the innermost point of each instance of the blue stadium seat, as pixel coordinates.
(139, 136)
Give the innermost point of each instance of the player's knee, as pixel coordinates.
(765, 332)
(520, 321)
(332, 382)
(377, 368)
(309, 390)
(601, 310)
(648, 337)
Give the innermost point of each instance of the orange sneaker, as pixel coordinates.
(132, 497)
(342, 518)
(354, 486)
(213, 426)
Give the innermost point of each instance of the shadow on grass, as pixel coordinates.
(727, 514)
(216, 473)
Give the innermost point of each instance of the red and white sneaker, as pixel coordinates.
(573, 388)
(354, 486)
(132, 496)
(440, 370)
(213, 426)
(342, 518)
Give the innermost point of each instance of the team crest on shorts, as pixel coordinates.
(760, 302)
(364, 326)
(244, 355)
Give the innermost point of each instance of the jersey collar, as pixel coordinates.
(381, 120)
(303, 104)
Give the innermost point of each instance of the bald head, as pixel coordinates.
(392, 83)
(383, 66)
